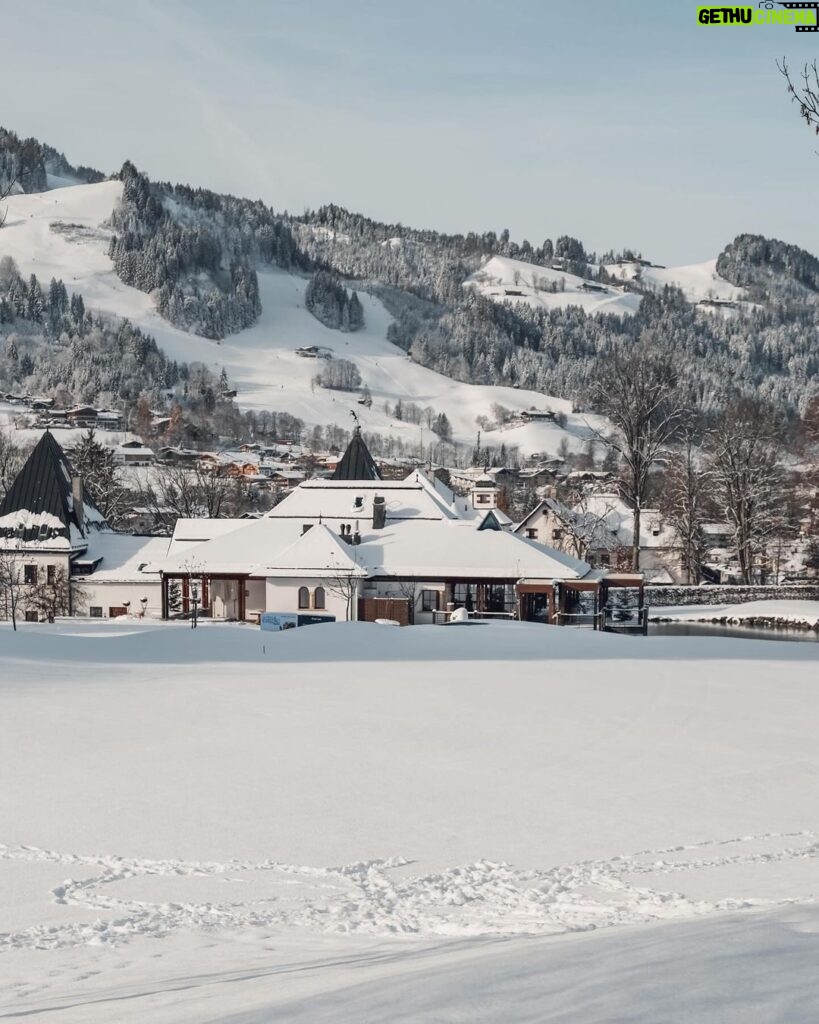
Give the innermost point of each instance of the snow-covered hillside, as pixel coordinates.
(506, 280)
(699, 282)
(357, 824)
(61, 234)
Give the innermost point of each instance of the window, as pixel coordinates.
(95, 611)
(464, 595)
(358, 504)
(429, 600)
(318, 597)
(603, 558)
(51, 574)
(30, 575)
(483, 499)
(31, 617)
(304, 597)
(557, 534)
(531, 534)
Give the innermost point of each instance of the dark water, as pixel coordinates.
(743, 632)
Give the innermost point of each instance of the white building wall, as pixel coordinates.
(282, 595)
(107, 594)
(42, 560)
(255, 597)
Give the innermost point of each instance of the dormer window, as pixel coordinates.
(358, 503)
(43, 533)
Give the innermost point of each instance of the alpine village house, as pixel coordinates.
(350, 547)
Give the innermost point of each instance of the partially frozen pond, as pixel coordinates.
(742, 632)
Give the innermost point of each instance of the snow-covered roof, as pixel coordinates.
(228, 545)
(318, 552)
(614, 513)
(277, 546)
(458, 550)
(123, 557)
(414, 498)
(132, 448)
(189, 533)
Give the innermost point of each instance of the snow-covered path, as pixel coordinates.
(351, 823)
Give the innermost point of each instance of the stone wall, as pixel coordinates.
(714, 594)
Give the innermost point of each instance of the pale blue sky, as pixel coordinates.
(622, 123)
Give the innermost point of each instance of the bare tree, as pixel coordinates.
(12, 457)
(686, 501)
(344, 584)
(193, 492)
(746, 479)
(584, 522)
(10, 585)
(408, 589)
(196, 588)
(805, 93)
(50, 596)
(638, 393)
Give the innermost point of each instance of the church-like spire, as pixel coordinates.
(357, 463)
(47, 498)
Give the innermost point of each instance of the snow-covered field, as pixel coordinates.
(60, 234)
(356, 823)
(800, 613)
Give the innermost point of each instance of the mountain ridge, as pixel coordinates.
(451, 299)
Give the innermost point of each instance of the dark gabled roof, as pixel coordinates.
(356, 463)
(43, 485)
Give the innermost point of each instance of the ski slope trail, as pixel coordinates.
(62, 233)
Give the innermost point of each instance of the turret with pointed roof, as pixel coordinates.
(357, 463)
(47, 503)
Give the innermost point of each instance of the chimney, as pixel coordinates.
(79, 504)
(379, 512)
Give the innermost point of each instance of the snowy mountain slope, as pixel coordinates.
(61, 234)
(698, 281)
(507, 280)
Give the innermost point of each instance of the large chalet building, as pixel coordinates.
(353, 547)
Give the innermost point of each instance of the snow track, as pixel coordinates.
(511, 823)
(372, 897)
